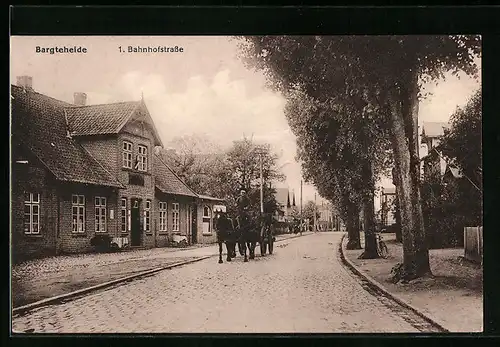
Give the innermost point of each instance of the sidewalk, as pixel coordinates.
(39, 279)
(453, 298)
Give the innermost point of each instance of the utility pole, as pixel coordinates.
(301, 217)
(315, 212)
(261, 186)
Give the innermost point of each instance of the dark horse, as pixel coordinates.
(248, 238)
(226, 233)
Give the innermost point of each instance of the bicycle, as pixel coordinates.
(382, 247)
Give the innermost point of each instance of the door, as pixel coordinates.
(135, 223)
(194, 223)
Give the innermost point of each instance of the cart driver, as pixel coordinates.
(243, 207)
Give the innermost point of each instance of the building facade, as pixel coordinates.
(79, 171)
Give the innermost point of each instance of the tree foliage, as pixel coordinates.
(209, 170)
(364, 89)
(461, 145)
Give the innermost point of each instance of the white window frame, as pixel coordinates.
(209, 215)
(123, 215)
(78, 202)
(100, 209)
(32, 202)
(147, 216)
(127, 154)
(142, 158)
(175, 216)
(162, 216)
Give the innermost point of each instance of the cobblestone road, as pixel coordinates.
(302, 287)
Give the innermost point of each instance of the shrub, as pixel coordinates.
(101, 243)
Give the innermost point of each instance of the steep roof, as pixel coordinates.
(167, 181)
(38, 123)
(207, 197)
(105, 118)
(434, 129)
(282, 196)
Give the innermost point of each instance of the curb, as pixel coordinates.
(78, 293)
(381, 288)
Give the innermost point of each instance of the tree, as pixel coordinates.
(243, 164)
(309, 210)
(454, 201)
(198, 161)
(461, 145)
(354, 157)
(385, 73)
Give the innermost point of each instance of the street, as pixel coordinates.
(301, 288)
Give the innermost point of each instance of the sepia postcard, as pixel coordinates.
(246, 184)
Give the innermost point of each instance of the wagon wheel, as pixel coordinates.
(262, 241)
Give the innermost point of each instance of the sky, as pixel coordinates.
(205, 89)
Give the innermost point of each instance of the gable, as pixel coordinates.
(141, 123)
(110, 118)
(38, 122)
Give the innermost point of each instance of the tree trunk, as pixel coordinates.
(370, 251)
(397, 215)
(397, 212)
(415, 252)
(354, 241)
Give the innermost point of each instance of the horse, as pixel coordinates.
(226, 233)
(249, 236)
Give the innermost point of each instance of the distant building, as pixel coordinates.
(285, 203)
(434, 165)
(387, 200)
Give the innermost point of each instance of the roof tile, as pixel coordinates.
(167, 181)
(99, 119)
(38, 122)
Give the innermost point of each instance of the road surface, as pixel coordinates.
(301, 288)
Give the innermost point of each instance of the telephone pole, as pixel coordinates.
(314, 217)
(301, 217)
(261, 186)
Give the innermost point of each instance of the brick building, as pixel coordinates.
(80, 171)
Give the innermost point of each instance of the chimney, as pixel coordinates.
(25, 82)
(80, 99)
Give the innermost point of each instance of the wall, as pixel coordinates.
(32, 177)
(145, 192)
(205, 238)
(69, 242)
(473, 244)
(163, 237)
(104, 149)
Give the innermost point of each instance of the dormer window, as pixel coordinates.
(142, 158)
(127, 154)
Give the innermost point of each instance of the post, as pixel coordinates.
(301, 217)
(315, 220)
(261, 187)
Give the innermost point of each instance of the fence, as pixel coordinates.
(473, 244)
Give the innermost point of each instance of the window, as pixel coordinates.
(100, 214)
(78, 211)
(175, 216)
(127, 154)
(142, 158)
(147, 216)
(206, 212)
(123, 215)
(31, 213)
(163, 215)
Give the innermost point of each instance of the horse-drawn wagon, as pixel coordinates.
(244, 233)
